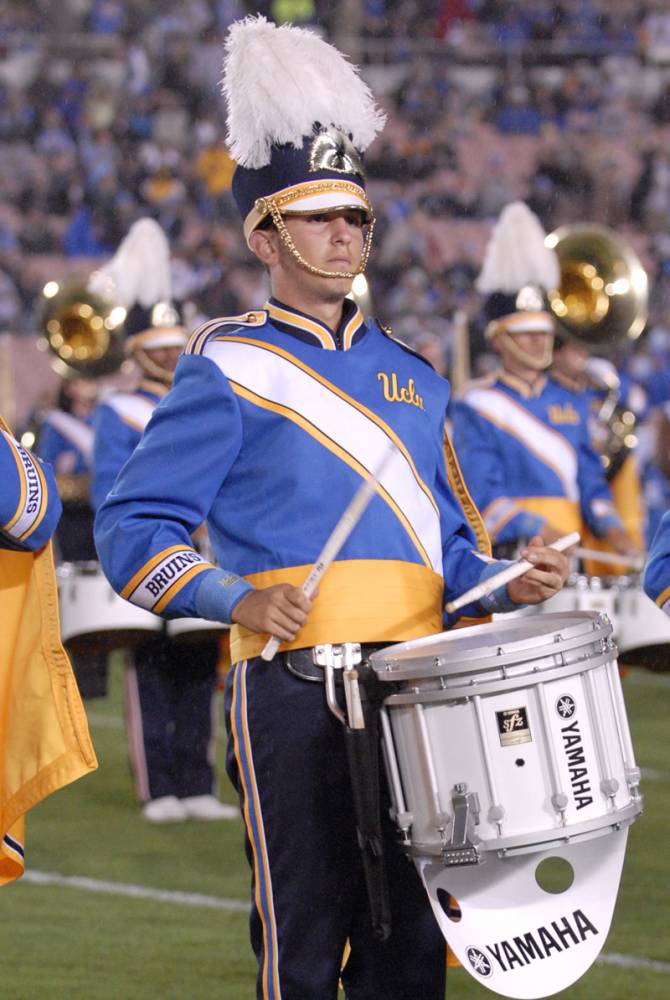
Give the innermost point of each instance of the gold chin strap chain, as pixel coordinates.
(285, 236)
(537, 364)
(151, 368)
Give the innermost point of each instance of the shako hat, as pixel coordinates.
(138, 278)
(299, 120)
(518, 272)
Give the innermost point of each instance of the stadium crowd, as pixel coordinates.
(108, 111)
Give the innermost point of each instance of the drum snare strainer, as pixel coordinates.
(506, 744)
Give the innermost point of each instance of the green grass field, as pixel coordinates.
(63, 942)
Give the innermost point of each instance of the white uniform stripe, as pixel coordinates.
(279, 381)
(73, 430)
(135, 410)
(548, 445)
(136, 751)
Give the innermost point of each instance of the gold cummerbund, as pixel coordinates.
(361, 600)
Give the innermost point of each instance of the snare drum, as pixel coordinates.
(94, 619)
(507, 744)
(524, 720)
(194, 631)
(644, 630)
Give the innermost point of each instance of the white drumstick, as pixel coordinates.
(506, 575)
(635, 562)
(338, 537)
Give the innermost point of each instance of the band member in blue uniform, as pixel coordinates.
(657, 570)
(170, 691)
(521, 438)
(615, 406)
(272, 422)
(65, 440)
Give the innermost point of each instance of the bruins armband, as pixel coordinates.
(32, 493)
(160, 579)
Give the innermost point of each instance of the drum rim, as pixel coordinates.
(563, 836)
(586, 628)
(469, 688)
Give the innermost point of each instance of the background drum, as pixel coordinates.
(194, 631)
(508, 744)
(643, 634)
(94, 619)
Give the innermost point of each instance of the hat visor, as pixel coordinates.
(309, 198)
(166, 336)
(522, 322)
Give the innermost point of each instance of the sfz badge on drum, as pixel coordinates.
(513, 726)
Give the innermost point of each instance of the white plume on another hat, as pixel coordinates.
(516, 254)
(138, 278)
(279, 80)
(139, 271)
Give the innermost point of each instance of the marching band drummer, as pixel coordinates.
(597, 380)
(521, 438)
(65, 440)
(272, 422)
(170, 691)
(656, 579)
(44, 740)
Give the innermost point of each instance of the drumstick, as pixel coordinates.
(506, 575)
(346, 524)
(635, 562)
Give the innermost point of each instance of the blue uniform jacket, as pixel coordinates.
(118, 424)
(29, 502)
(270, 425)
(66, 442)
(527, 458)
(657, 570)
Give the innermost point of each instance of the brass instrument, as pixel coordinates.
(603, 293)
(83, 329)
(614, 433)
(602, 300)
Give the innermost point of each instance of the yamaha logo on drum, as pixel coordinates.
(565, 706)
(513, 726)
(479, 962)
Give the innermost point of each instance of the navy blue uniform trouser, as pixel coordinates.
(171, 723)
(287, 759)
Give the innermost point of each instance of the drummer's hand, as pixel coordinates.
(620, 541)
(280, 610)
(549, 573)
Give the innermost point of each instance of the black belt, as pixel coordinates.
(301, 661)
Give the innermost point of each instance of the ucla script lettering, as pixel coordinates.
(400, 394)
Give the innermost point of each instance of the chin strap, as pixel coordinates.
(269, 206)
(150, 367)
(537, 364)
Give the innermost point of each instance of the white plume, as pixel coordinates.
(278, 81)
(516, 254)
(139, 271)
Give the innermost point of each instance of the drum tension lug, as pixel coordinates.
(462, 849)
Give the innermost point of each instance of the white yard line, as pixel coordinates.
(136, 891)
(237, 906)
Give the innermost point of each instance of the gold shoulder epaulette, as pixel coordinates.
(200, 337)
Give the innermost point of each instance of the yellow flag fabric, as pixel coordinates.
(44, 738)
